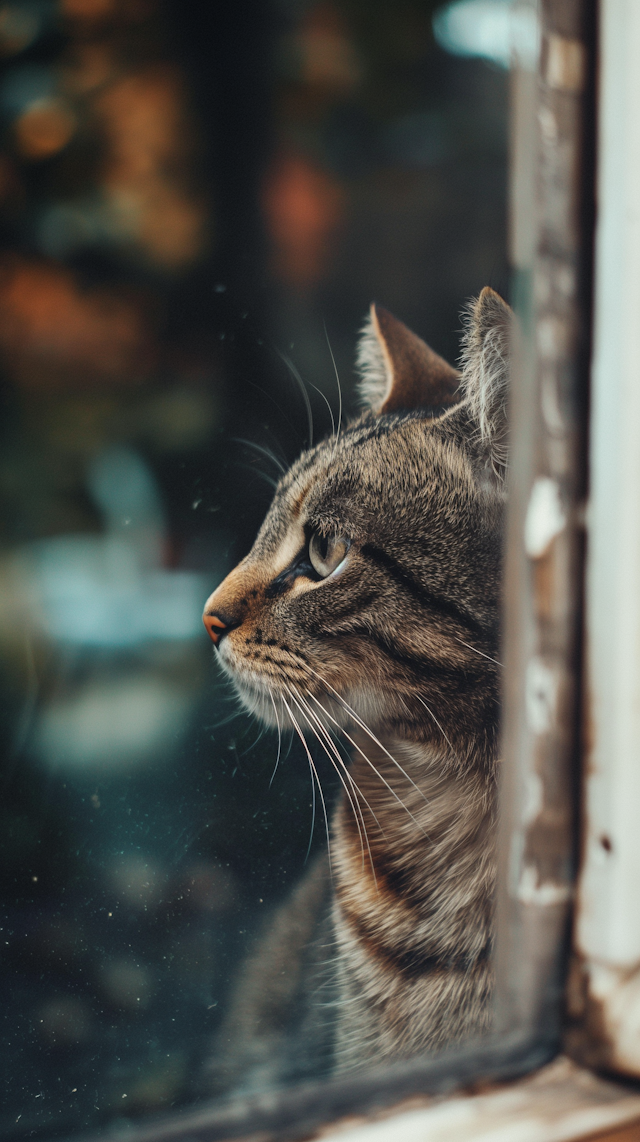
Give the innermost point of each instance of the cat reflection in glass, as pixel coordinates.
(369, 605)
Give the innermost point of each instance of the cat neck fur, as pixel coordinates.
(413, 902)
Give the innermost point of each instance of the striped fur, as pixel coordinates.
(398, 647)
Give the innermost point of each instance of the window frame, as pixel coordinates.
(551, 230)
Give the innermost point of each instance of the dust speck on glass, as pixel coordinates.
(198, 205)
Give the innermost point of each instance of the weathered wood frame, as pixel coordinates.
(551, 251)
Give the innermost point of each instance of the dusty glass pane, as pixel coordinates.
(197, 206)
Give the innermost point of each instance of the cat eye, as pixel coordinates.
(326, 552)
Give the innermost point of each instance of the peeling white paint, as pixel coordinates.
(566, 64)
(548, 124)
(516, 857)
(551, 410)
(530, 891)
(618, 993)
(541, 695)
(545, 517)
(550, 337)
(533, 799)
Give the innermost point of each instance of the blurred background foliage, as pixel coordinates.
(194, 200)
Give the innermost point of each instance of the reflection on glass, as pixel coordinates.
(196, 211)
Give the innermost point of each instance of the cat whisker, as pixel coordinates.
(313, 794)
(224, 721)
(363, 726)
(315, 774)
(313, 816)
(275, 710)
(290, 746)
(326, 733)
(328, 745)
(264, 451)
(480, 652)
(231, 698)
(263, 475)
(431, 713)
(306, 714)
(326, 401)
(301, 385)
(377, 771)
(335, 369)
(253, 743)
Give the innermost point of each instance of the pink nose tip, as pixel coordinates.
(213, 626)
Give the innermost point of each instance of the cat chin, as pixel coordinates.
(265, 703)
(256, 699)
(336, 712)
(261, 697)
(274, 711)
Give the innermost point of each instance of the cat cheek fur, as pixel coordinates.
(400, 649)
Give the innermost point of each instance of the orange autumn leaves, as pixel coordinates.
(53, 335)
(145, 172)
(303, 205)
(303, 201)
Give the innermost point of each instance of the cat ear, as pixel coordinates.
(485, 361)
(398, 370)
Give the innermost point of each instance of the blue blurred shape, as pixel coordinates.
(107, 724)
(93, 596)
(93, 591)
(110, 590)
(124, 489)
(488, 29)
(25, 85)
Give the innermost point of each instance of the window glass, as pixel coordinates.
(198, 205)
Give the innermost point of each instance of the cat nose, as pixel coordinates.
(217, 622)
(214, 627)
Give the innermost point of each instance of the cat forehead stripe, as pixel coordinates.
(445, 607)
(351, 437)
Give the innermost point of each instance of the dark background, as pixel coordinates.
(189, 193)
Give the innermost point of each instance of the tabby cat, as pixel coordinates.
(370, 604)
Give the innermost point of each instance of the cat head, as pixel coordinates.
(372, 591)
